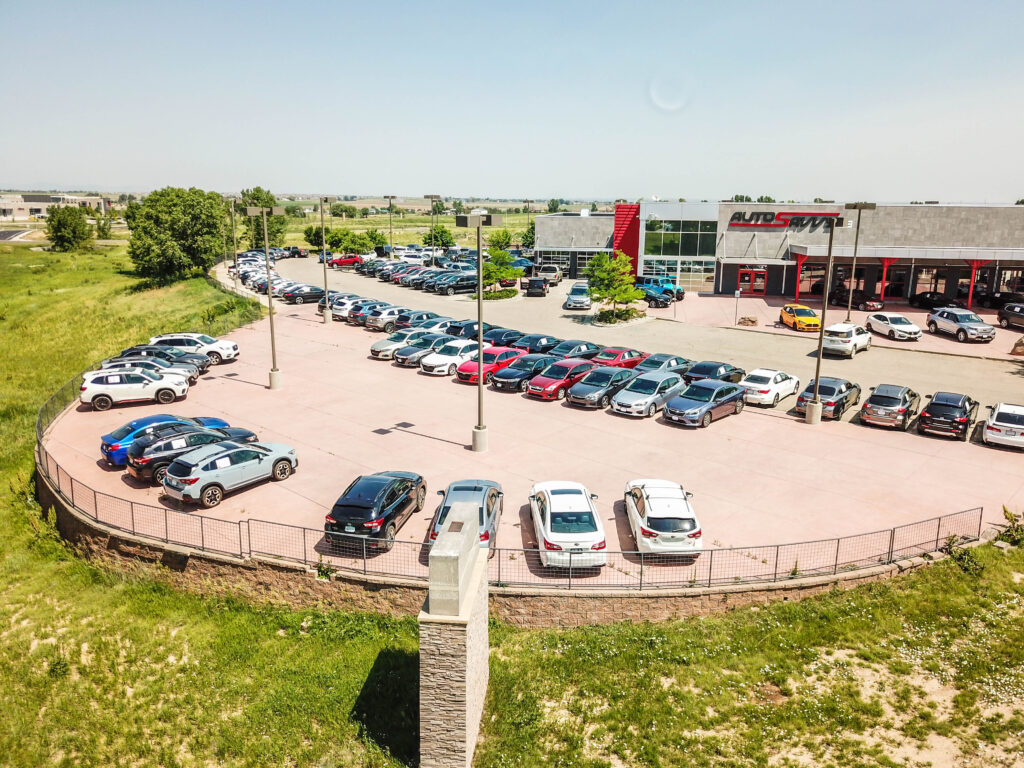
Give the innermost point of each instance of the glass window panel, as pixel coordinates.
(690, 226)
(670, 244)
(688, 245)
(709, 226)
(672, 226)
(652, 244)
(707, 245)
(654, 225)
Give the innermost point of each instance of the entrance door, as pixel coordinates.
(752, 281)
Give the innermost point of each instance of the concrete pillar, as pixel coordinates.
(454, 643)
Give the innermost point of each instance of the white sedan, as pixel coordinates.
(568, 528)
(893, 325)
(446, 360)
(661, 518)
(766, 386)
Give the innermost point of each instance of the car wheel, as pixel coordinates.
(560, 393)
(389, 328)
(159, 473)
(165, 396)
(523, 385)
(451, 369)
(892, 335)
(651, 410)
(212, 496)
(775, 400)
(1004, 323)
(861, 307)
(967, 434)
(101, 403)
(282, 470)
(488, 378)
(450, 291)
(298, 299)
(605, 400)
(389, 537)
(421, 497)
(906, 422)
(706, 420)
(961, 336)
(932, 327)
(782, 320)
(739, 405)
(193, 380)
(215, 358)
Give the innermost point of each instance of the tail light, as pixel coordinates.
(189, 480)
(143, 459)
(763, 391)
(830, 404)
(695, 535)
(82, 388)
(374, 525)
(485, 536)
(330, 519)
(993, 428)
(114, 447)
(600, 545)
(961, 419)
(901, 410)
(551, 547)
(926, 414)
(648, 534)
(433, 535)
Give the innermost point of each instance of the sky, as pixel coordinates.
(581, 100)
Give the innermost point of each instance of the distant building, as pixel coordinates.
(29, 206)
(478, 212)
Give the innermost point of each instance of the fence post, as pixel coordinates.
(239, 525)
(95, 509)
(938, 532)
(202, 533)
(165, 525)
(835, 565)
(305, 559)
(641, 588)
(980, 511)
(72, 492)
(499, 564)
(363, 539)
(892, 543)
(131, 510)
(570, 569)
(775, 575)
(711, 566)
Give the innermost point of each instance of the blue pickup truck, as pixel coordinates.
(663, 285)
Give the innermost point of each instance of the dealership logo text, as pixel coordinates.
(772, 220)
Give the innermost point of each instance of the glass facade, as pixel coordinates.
(681, 249)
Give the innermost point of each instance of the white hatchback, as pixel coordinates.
(446, 360)
(569, 530)
(1004, 426)
(218, 350)
(766, 386)
(846, 339)
(661, 518)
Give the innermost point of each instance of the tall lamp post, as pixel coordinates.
(252, 210)
(527, 211)
(323, 253)
(813, 413)
(432, 198)
(391, 232)
(234, 237)
(479, 221)
(858, 207)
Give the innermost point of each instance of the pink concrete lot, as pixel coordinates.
(721, 311)
(761, 477)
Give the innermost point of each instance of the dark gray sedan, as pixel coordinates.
(595, 390)
(704, 401)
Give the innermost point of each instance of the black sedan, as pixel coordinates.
(933, 300)
(1000, 299)
(516, 376)
(169, 354)
(373, 508)
(303, 293)
(710, 369)
(949, 414)
(840, 296)
(576, 349)
(502, 337)
(655, 298)
(149, 456)
(536, 343)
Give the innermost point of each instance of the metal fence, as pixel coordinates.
(506, 567)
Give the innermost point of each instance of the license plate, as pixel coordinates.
(1011, 433)
(350, 529)
(576, 551)
(173, 492)
(133, 471)
(498, 385)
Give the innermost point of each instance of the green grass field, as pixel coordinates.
(100, 668)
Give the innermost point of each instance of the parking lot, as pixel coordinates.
(761, 477)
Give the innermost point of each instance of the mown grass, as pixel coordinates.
(407, 229)
(98, 668)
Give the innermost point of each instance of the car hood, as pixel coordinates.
(387, 344)
(470, 366)
(435, 359)
(513, 374)
(631, 398)
(412, 352)
(582, 390)
(686, 404)
(240, 433)
(976, 326)
(211, 421)
(545, 381)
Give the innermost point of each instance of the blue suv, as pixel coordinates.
(114, 446)
(662, 285)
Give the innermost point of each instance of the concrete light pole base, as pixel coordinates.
(479, 439)
(813, 413)
(275, 378)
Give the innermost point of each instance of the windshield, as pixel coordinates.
(643, 386)
(489, 357)
(606, 355)
(148, 374)
(969, 317)
(564, 348)
(399, 336)
(1011, 419)
(423, 343)
(756, 379)
(804, 312)
(597, 378)
(572, 522)
(699, 393)
(206, 339)
(885, 401)
(450, 350)
(670, 524)
(899, 320)
(839, 334)
(122, 432)
(556, 371)
(578, 291)
(179, 469)
(351, 512)
(523, 365)
(173, 351)
(154, 361)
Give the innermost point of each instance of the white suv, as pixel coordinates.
(846, 339)
(1004, 426)
(661, 518)
(218, 350)
(102, 389)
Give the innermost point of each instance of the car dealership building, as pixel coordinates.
(782, 249)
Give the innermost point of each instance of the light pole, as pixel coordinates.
(858, 207)
(813, 413)
(323, 252)
(234, 239)
(432, 199)
(252, 210)
(527, 211)
(479, 221)
(391, 233)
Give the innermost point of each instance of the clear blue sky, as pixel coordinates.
(872, 100)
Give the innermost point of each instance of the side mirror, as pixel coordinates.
(501, 494)
(689, 494)
(593, 496)
(990, 407)
(440, 493)
(871, 389)
(533, 498)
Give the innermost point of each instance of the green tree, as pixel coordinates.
(176, 232)
(104, 224)
(1020, 202)
(611, 279)
(295, 211)
(67, 229)
(766, 199)
(459, 207)
(364, 212)
(376, 237)
(741, 199)
(437, 208)
(593, 207)
(347, 241)
(499, 267)
(528, 236)
(264, 198)
(500, 239)
(312, 235)
(553, 205)
(442, 237)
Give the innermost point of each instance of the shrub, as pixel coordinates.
(504, 293)
(1013, 533)
(621, 315)
(964, 558)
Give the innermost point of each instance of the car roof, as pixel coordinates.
(708, 363)
(890, 390)
(948, 398)
(668, 499)
(610, 369)
(1009, 408)
(206, 452)
(841, 327)
(831, 381)
(763, 372)
(576, 500)
(660, 357)
(713, 383)
(658, 376)
(572, 361)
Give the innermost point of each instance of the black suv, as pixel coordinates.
(466, 329)
(373, 508)
(169, 354)
(948, 414)
(537, 286)
(1012, 314)
(461, 284)
(297, 253)
(934, 300)
(840, 296)
(149, 457)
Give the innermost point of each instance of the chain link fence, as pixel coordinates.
(506, 567)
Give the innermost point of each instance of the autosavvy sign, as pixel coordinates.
(773, 220)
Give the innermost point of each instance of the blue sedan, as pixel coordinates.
(114, 446)
(703, 401)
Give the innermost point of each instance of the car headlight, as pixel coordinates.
(692, 412)
(592, 396)
(550, 387)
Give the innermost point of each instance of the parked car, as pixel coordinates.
(665, 286)
(933, 300)
(662, 519)
(579, 297)
(647, 394)
(890, 405)
(170, 354)
(385, 348)
(206, 474)
(575, 348)
(345, 260)
(446, 360)
(799, 317)
(836, 396)
(149, 457)
(664, 362)
(1004, 426)
(373, 508)
(893, 325)
(436, 324)
(962, 323)
(409, 356)
(554, 381)
(104, 388)
(536, 286)
(766, 386)
(154, 365)
(845, 339)
(704, 401)
(550, 272)
(1010, 315)
(596, 389)
(467, 329)
(534, 343)
(517, 375)
(114, 445)
(384, 318)
(840, 296)
(655, 298)
(711, 369)
(621, 357)
(502, 337)
(297, 253)
(1000, 299)
(568, 529)
(495, 358)
(218, 350)
(359, 314)
(340, 308)
(949, 414)
(303, 294)
(331, 298)
(485, 495)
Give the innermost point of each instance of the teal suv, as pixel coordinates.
(204, 475)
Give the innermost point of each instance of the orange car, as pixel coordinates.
(799, 318)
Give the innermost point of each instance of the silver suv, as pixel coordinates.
(204, 475)
(647, 394)
(962, 323)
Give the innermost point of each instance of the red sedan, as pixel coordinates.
(346, 260)
(399, 273)
(620, 357)
(495, 358)
(554, 381)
